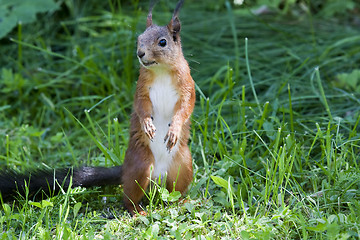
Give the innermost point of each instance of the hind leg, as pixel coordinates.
(136, 173)
(181, 172)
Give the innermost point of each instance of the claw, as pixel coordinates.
(149, 128)
(171, 140)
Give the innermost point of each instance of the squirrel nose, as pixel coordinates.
(140, 53)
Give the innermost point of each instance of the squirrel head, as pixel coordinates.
(160, 46)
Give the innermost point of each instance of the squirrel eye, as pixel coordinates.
(162, 43)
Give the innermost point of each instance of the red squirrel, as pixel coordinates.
(159, 130)
(160, 124)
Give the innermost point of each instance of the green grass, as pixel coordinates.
(275, 141)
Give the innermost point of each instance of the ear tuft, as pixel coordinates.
(177, 8)
(149, 16)
(149, 20)
(175, 25)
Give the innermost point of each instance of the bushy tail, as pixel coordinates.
(50, 182)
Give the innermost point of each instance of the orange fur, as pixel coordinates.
(139, 158)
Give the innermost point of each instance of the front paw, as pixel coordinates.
(149, 128)
(172, 137)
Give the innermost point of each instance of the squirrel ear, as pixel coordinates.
(149, 20)
(174, 27)
(149, 16)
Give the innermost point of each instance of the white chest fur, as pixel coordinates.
(163, 97)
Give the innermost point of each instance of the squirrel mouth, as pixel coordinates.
(147, 64)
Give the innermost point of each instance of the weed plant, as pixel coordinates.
(275, 134)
